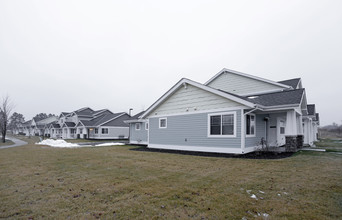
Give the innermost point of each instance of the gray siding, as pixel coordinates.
(191, 130)
(138, 136)
(240, 84)
(260, 132)
(113, 133)
(187, 99)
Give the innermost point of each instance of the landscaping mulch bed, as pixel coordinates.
(252, 155)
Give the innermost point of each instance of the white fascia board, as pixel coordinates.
(248, 76)
(135, 121)
(277, 108)
(262, 93)
(198, 85)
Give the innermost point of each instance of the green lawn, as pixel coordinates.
(116, 182)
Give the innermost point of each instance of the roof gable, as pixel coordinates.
(243, 84)
(188, 95)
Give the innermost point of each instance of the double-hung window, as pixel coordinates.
(250, 125)
(137, 126)
(162, 122)
(222, 124)
(104, 130)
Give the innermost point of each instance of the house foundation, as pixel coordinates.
(291, 143)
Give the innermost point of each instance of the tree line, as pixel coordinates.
(13, 121)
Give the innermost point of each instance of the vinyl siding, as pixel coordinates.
(260, 132)
(191, 130)
(138, 136)
(241, 85)
(191, 98)
(113, 133)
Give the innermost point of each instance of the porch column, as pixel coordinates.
(291, 142)
(291, 124)
(300, 127)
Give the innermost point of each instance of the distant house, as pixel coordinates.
(89, 124)
(233, 112)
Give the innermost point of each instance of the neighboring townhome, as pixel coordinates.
(86, 123)
(138, 129)
(233, 112)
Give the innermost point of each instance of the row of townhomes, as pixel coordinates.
(232, 112)
(84, 123)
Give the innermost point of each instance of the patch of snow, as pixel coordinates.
(59, 143)
(265, 215)
(285, 193)
(278, 194)
(261, 192)
(249, 191)
(254, 196)
(108, 144)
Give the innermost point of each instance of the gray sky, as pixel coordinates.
(63, 55)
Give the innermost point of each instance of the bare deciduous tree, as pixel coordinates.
(5, 113)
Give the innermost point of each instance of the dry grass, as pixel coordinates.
(115, 182)
(7, 142)
(331, 145)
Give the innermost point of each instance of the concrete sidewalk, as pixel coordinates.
(16, 141)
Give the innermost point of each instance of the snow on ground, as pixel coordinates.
(108, 144)
(63, 143)
(254, 196)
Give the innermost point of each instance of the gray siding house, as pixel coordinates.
(85, 123)
(231, 113)
(138, 129)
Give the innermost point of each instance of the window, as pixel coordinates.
(162, 123)
(250, 125)
(72, 131)
(222, 124)
(104, 130)
(81, 130)
(282, 127)
(146, 126)
(137, 126)
(96, 130)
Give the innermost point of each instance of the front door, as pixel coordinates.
(281, 123)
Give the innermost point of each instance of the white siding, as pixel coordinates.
(190, 98)
(241, 85)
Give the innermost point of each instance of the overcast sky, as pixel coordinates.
(64, 55)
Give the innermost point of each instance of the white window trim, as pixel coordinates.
(165, 123)
(137, 129)
(251, 135)
(146, 126)
(226, 135)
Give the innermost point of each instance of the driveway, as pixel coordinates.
(16, 141)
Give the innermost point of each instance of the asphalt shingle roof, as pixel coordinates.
(311, 109)
(100, 120)
(288, 97)
(70, 124)
(137, 116)
(291, 82)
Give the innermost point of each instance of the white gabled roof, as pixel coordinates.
(246, 75)
(198, 85)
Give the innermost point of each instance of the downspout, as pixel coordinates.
(243, 128)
